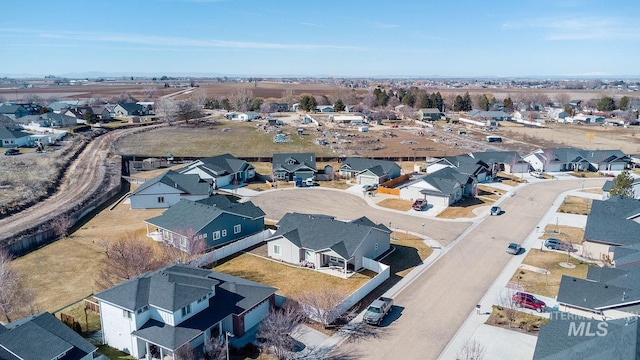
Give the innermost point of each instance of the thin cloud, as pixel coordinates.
(310, 24)
(176, 41)
(580, 28)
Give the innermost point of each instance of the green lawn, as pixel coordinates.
(112, 353)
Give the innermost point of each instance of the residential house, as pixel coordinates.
(606, 188)
(215, 220)
(430, 114)
(101, 112)
(576, 105)
(321, 241)
(608, 293)
(369, 171)
(588, 119)
(348, 119)
(223, 170)
(48, 119)
(610, 223)
(289, 166)
(129, 109)
(168, 188)
(482, 115)
(13, 138)
(464, 164)
(160, 312)
(508, 161)
(526, 115)
(13, 111)
(571, 159)
(43, 337)
(295, 107)
(278, 107)
(568, 336)
(248, 116)
(324, 108)
(441, 188)
(557, 114)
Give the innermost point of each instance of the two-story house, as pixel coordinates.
(288, 166)
(163, 311)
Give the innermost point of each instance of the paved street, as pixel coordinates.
(435, 305)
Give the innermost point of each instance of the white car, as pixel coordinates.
(537, 174)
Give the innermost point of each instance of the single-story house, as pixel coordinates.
(49, 119)
(101, 112)
(179, 306)
(482, 115)
(571, 159)
(507, 161)
(129, 109)
(168, 188)
(13, 138)
(442, 188)
(247, 116)
(369, 171)
(526, 115)
(324, 108)
(43, 336)
(13, 111)
(464, 164)
(223, 170)
(588, 119)
(348, 119)
(278, 107)
(289, 166)
(215, 220)
(321, 241)
(610, 223)
(430, 114)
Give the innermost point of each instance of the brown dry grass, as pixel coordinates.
(65, 271)
(396, 204)
(592, 191)
(547, 285)
(291, 281)
(526, 323)
(575, 205)
(565, 233)
(464, 208)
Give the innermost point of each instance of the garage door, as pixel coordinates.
(256, 315)
(367, 180)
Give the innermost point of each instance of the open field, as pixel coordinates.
(547, 285)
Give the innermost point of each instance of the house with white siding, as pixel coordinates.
(441, 188)
(223, 170)
(369, 171)
(168, 188)
(179, 307)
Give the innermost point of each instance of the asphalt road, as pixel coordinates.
(437, 303)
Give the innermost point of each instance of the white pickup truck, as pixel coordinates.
(377, 310)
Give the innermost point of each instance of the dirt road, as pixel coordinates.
(81, 181)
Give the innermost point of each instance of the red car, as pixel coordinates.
(419, 204)
(529, 301)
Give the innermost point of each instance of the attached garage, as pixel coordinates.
(255, 315)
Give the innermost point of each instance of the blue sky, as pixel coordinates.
(458, 38)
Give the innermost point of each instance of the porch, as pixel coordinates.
(329, 263)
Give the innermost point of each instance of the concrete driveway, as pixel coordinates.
(438, 302)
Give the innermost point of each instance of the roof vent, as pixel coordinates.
(606, 286)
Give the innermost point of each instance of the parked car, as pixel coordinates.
(377, 310)
(557, 244)
(369, 187)
(12, 151)
(419, 204)
(537, 174)
(529, 301)
(513, 248)
(495, 210)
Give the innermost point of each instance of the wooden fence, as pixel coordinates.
(387, 186)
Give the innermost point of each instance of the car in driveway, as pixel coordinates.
(495, 211)
(369, 187)
(12, 151)
(419, 204)
(537, 174)
(513, 248)
(528, 301)
(557, 244)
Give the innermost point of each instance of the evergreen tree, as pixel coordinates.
(623, 104)
(467, 104)
(623, 185)
(439, 101)
(484, 102)
(606, 103)
(458, 104)
(339, 106)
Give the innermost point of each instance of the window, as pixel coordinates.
(276, 249)
(143, 309)
(224, 232)
(186, 310)
(183, 242)
(204, 235)
(202, 299)
(160, 199)
(126, 313)
(216, 235)
(237, 229)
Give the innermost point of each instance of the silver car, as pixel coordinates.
(513, 249)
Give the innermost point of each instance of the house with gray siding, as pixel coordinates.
(13, 138)
(42, 337)
(168, 188)
(216, 220)
(369, 171)
(223, 170)
(289, 166)
(571, 159)
(177, 307)
(508, 161)
(322, 242)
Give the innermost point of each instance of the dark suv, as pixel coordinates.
(528, 301)
(12, 151)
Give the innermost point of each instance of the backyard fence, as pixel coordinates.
(228, 250)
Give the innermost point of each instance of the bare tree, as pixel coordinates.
(188, 110)
(150, 92)
(167, 110)
(61, 225)
(95, 100)
(183, 249)
(124, 97)
(215, 349)
(562, 98)
(186, 352)
(322, 305)
(199, 98)
(275, 329)
(240, 99)
(288, 97)
(16, 299)
(509, 306)
(471, 350)
(127, 257)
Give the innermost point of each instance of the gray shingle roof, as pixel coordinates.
(219, 165)
(503, 157)
(12, 134)
(445, 180)
(321, 233)
(186, 215)
(292, 162)
(360, 164)
(608, 221)
(42, 337)
(556, 343)
(186, 183)
(246, 208)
